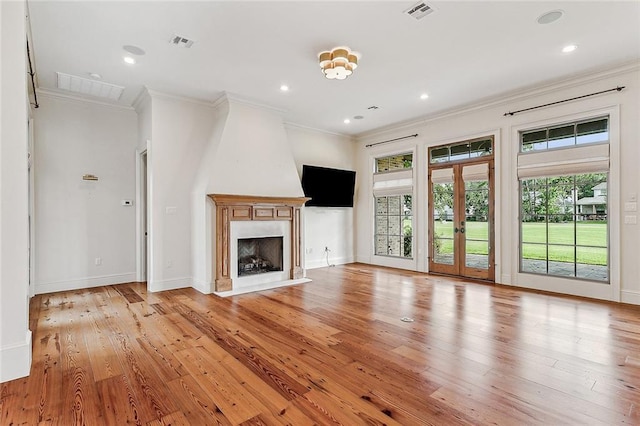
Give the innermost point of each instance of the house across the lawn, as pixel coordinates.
(594, 208)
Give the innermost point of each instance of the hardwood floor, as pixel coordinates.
(333, 351)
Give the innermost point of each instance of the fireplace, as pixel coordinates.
(259, 255)
(239, 217)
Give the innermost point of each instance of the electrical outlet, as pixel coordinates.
(169, 263)
(98, 261)
(309, 250)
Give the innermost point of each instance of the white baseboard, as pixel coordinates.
(322, 263)
(15, 360)
(505, 279)
(172, 284)
(364, 259)
(86, 282)
(203, 287)
(628, 296)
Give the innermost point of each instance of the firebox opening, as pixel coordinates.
(259, 255)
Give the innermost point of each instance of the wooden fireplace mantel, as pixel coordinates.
(247, 208)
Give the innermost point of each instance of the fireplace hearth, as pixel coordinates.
(259, 255)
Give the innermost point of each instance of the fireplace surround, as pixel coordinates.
(229, 208)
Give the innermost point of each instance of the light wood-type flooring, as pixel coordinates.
(332, 351)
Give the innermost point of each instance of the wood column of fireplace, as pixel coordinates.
(245, 207)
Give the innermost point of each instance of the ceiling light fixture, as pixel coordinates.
(129, 60)
(424, 96)
(569, 48)
(347, 121)
(338, 63)
(284, 88)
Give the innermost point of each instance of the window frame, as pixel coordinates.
(549, 117)
(402, 181)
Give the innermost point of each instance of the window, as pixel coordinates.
(564, 227)
(461, 151)
(393, 194)
(394, 226)
(566, 135)
(394, 162)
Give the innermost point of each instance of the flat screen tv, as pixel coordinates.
(328, 187)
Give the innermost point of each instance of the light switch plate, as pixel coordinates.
(630, 219)
(630, 207)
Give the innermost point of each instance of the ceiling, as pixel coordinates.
(461, 53)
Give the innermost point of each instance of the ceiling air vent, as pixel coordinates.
(178, 40)
(86, 86)
(419, 10)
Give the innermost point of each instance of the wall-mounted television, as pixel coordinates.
(328, 187)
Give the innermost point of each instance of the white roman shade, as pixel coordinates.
(475, 172)
(393, 183)
(558, 162)
(442, 175)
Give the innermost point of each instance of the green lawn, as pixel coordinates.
(592, 234)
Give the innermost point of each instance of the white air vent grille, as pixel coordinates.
(181, 41)
(87, 86)
(419, 10)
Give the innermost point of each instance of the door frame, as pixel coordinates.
(142, 214)
(459, 267)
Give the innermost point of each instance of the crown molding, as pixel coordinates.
(507, 98)
(288, 124)
(47, 93)
(171, 97)
(232, 97)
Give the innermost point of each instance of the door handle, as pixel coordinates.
(462, 230)
(455, 230)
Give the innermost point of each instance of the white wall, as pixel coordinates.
(143, 108)
(331, 227)
(15, 337)
(179, 135)
(248, 153)
(232, 147)
(488, 119)
(78, 221)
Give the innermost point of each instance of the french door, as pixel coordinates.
(461, 221)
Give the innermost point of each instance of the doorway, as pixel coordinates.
(461, 209)
(143, 222)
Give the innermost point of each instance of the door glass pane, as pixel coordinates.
(476, 225)
(442, 244)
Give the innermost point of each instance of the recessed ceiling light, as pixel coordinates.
(95, 76)
(347, 121)
(358, 117)
(424, 96)
(284, 88)
(549, 17)
(129, 60)
(569, 48)
(134, 50)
